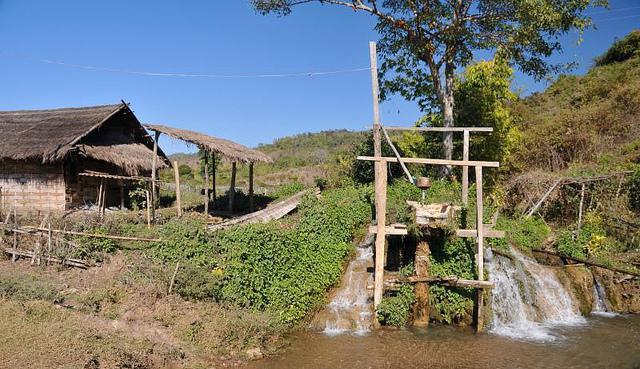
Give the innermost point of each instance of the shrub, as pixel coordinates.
(634, 191)
(194, 282)
(621, 50)
(185, 239)
(287, 268)
(395, 310)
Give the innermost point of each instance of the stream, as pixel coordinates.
(536, 324)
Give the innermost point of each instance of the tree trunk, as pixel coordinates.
(447, 114)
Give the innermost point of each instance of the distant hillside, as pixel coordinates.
(585, 121)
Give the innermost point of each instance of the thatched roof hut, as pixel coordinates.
(228, 149)
(44, 154)
(56, 135)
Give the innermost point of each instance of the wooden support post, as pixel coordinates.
(176, 175)
(205, 185)
(213, 179)
(580, 210)
(148, 210)
(154, 175)
(49, 243)
(232, 187)
(15, 233)
(99, 202)
(381, 209)
(421, 289)
(104, 200)
(373, 57)
(1, 203)
(480, 252)
(122, 196)
(251, 197)
(465, 169)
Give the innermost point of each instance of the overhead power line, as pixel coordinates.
(194, 75)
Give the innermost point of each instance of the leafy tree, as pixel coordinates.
(483, 95)
(424, 42)
(621, 50)
(185, 171)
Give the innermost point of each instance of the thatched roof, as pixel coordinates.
(56, 134)
(231, 150)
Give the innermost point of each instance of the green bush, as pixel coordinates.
(185, 239)
(524, 232)
(634, 191)
(395, 310)
(194, 282)
(94, 247)
(621, 50)
(287, 268)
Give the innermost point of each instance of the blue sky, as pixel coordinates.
(222, 37)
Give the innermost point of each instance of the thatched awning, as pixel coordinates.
(109, 133)
(229, 149)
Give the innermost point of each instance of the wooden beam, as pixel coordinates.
(251, 197)
(205, 185)
(465, 169)
(381, 209)
(451, 281)
(176, 175)
(580, 209)
(587, 262)
(393, 230)
(232, 187)
(471, 163)
(373, 59)
(154, 174)
(440, 129)
(472, 233)
(148, 210)
(213, 179)
(122, 196)
(480, 252)
(397, 154)
(421, 289)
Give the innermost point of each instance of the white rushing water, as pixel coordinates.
(528, 300)
(601, 305)
(351, 308)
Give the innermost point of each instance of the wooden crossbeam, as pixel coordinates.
(472, 233)
(460, 163)
(451, 281)
(393, 230)
(440, 129)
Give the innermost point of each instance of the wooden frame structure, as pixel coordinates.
(211, 146)
(381, 168)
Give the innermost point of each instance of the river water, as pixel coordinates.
(601, 342)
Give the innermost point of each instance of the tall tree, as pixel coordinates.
(423, 42)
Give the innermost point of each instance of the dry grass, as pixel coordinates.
(120, 316)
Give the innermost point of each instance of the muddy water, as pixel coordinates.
(599, 343)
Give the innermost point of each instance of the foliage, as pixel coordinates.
(185, 239)
(483, 96)
(194, 282)
(287, 268)
(634, 190)
(362, 171)
(591, 242)
(138, 196)
(395, 310)
(621, 50)
(524, 232)
(185, 171)
(94, 247)
(586, 119)
(287, 190)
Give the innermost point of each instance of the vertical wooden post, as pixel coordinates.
(465, 169)
(480, 252)
(232, 187)
(49, 243)
(381, 209)
(1, 203)
(154, 174)
(213, 178)
(251, 199)
(122, 196)
(15, 233)
(99, 202)
(176, 175)
(205, 186)
(104, 200)
(377, 143)
(148, 210)
(580, 210)
(421, 289)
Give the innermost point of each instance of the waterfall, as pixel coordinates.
(351, 308)
(528, 299)
(600, 302)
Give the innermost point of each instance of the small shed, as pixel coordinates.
(212, 146)
(57, 159)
